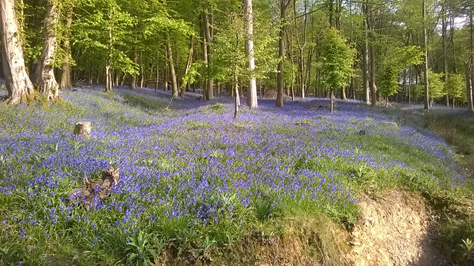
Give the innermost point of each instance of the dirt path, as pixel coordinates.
(395, 230)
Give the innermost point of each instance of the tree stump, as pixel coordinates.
(83, 129)
(97, 189)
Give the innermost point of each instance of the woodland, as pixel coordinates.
(366, 50)
(237, 132)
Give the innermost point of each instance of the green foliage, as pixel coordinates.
(194, 73)
(436, 85)
(388, 82)
(337, 60)
(455, 86)
(139, 251)
(395, 60)
(101, 34)
(468, 249)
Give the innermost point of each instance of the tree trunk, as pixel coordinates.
(66, 65)
(373, 92)
(365, 53)
(108, 74)
(237, 96)
(332, 100)
(142, 71)
(174, 82)
(133, 84)
(470, 105)
(188, 66)
(208, 36)
(445, 54)
(45, 80)
(166, 69)
(157, 71)
(301, 48)
(284, 4)
(18, 83)
(425, 65)
(471, 68)
(252, 101)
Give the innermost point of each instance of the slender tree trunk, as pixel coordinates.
(453, 48)
(174, 82)
(470, 105)
(365, 65)
(292, 83)
(237, 96)
(332, 100)
(166, 69)
(18, 83)
(208, 37)
(108, 73)
(471, 68)
(133, 84)
(301, 47)
(122, 81)
(425, 65)
(45, 80)
(157, 71)
(66, 66)
(188, 66)
(373, 92)
(284, 4)
(142, 71)
(252, 101)
(445, 54)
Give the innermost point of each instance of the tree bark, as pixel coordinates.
(66, 65)
(445, 54)
(252, 101)
(284, 4)
(18, 83)
(208, 36)
(133, 84)
(425, 65)
(470, 104)
(188, 67)
(365, 53)
(45, 79)
(166, 69)
(142, 71)
(174, 82)
(471, 68)
(157, 71)
(108, 72)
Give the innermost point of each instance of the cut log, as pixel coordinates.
(97, 189)
(83, 129)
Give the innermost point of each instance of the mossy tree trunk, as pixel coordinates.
(66, 65)
(174, 82)
(45, 79)
(18, 83)
(284, 4)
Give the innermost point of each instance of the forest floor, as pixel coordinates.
(276, 186)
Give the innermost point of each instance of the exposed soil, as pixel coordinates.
(396, 229)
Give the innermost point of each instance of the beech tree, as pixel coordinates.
(250, 53)
(284, 5)
(45, 79)
(18, 83)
